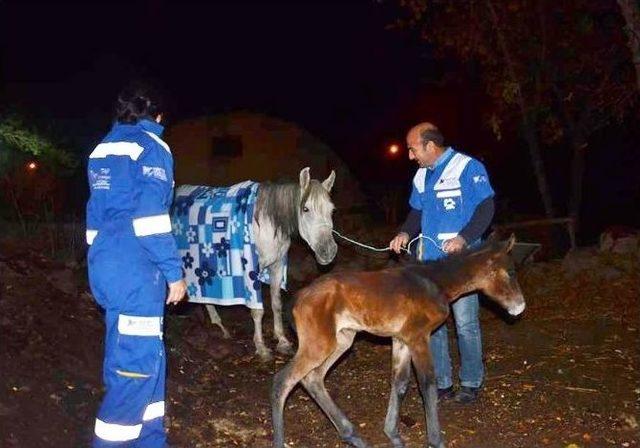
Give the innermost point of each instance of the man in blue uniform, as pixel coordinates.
(132, 258)
(452, 203)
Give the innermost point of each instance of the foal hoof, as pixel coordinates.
(285, 347)
(397, 442)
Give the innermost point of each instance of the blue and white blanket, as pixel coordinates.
(214, 233)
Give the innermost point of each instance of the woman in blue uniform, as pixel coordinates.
(132, 258)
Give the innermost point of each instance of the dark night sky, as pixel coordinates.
(329, 66)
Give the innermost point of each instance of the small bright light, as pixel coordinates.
(393, 149)
(32, 166)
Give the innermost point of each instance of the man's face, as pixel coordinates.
(424, 155)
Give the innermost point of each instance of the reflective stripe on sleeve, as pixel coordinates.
(152, 225)
(91, 235)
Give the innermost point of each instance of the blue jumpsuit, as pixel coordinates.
(132, 257)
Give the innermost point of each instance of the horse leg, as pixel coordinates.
(215, 319)
(401, 370)
(423, 364)
(314, 384)
(275, 277)
(308, 358)
(261, 349)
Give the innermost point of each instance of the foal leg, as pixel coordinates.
(423, 364)
(401, 369)
(275, 276)
(261, 349)
(308, 358)
(314, 384)
(215, 319)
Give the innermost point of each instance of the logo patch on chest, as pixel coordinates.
(100, 180)
(449, 203)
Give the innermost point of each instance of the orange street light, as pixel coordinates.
(32, 166)
(394, 149)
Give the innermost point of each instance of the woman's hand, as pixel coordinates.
(177, 291)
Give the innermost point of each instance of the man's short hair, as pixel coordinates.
(432, 135)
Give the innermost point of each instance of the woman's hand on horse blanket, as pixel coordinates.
(177, 291)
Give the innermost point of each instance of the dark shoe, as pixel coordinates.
(445, 394)
(466, 395)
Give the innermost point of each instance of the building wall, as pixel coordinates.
(272, 149)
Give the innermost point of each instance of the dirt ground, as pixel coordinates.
(565, 375)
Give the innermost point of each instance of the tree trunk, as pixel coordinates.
(531, 138)
(528, 122)
(631, 13)
(579, 146)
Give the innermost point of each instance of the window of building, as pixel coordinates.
(227, 146)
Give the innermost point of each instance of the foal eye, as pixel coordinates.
(305, 209)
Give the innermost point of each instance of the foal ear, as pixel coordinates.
(510, 243)
(305, 177)
(328, 182)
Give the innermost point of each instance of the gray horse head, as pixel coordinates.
(315, 224)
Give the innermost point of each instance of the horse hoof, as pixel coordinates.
(355, 441)
(397, 443)
(285, 347)
(265, 355)
(437, 445)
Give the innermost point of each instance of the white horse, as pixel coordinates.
(281, 212)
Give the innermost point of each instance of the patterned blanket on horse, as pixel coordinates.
(214, 233)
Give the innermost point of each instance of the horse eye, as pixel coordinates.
(305, 209)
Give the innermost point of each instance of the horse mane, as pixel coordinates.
(280, 203)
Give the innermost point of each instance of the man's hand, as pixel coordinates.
(454, 245)
(399, 242)
(176, 291)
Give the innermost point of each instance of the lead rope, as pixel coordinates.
(384, 249)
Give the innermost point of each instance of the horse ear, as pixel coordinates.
(328, 182)
(510, 243)
(305, 177)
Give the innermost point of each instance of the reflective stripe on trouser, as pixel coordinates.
(132, 291)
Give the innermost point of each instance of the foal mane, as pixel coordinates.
(280, 203)
(448, 270)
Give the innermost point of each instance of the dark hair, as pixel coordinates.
(432, 135)
(137, 101)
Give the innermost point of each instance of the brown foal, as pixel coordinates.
(405, 303)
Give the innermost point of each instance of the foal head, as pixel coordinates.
(497, 276)
(315, 223)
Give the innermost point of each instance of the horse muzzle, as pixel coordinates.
(326, 255)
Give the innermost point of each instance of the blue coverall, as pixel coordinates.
(132, 257)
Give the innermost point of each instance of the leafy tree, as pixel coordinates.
(555, 71)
